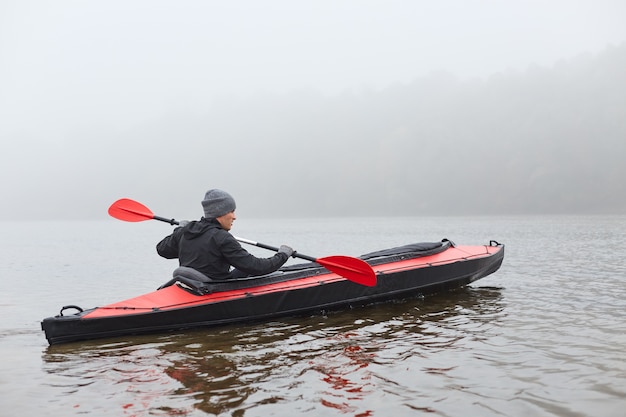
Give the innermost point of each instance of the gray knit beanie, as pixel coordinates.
(216, 203)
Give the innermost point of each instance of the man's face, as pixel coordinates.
(226, 221)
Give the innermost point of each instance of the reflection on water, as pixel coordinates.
(349, 362)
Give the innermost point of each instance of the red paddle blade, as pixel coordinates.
(130, 211)
(354, 269)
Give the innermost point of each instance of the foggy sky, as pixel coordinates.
(161, 100)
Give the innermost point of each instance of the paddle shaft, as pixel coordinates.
(163, 219)
(275, 249)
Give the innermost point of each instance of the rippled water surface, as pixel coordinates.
(543, 336)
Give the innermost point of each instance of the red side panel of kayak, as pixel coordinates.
(173, 297)
(453, 254)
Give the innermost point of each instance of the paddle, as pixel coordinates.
(353, 269)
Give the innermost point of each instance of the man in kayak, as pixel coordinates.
(207, 246)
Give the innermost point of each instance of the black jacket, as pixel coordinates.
(206, 247)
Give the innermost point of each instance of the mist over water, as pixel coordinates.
(314, 108)
(322, 115)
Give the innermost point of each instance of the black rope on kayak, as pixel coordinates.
(80, 310)
(494, 243)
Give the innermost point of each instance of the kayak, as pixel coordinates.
(188, 301)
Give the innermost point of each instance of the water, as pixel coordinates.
(543, 336)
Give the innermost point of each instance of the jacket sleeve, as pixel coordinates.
(168, 247)
(244, 261)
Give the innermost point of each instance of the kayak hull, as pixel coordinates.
(306, 289)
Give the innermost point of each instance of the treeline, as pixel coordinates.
(545, 140)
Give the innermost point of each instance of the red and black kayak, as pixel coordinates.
(185, 303)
